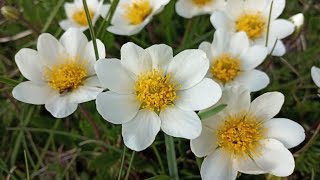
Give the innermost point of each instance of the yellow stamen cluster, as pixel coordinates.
(66, 76)
(253, 24)
(201, 2)
(240, 135)
(225, 68)
(80, 17)
(155, 90)
(137, 11)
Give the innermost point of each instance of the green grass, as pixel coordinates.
(36, 145)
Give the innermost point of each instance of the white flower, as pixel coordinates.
(245, 137)
(315, 74)
(233, 61)
(150, 89)
(61, 73)
(131, 16)
(77, 17)
(252, 17)
(191, 8)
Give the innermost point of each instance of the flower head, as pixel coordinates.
(150, 89)
(131, 16)
(77, 17)
(246, 137)
(61, 73)
(233, 61)
(191, 8)
(252, 17)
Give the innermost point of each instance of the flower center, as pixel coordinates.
(155, 90)
(137, 11)
(240, 135)
(253, 24)
(66, 76)
(80, 17)
(225, 68)
(201, 2)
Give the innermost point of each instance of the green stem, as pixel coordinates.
(93, 37)
(171, 157)
(130, 164)
(27, 167)
(156, 152)
(269, 20)
(52, 15)
(122, 161)
(106, 22)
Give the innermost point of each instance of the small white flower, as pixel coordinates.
(150, 89)
(61, 73)
(191, 8)
(131, 16)
(233, 61)
(77, 17)
(315, 74)
(252, 17)
(244, 137)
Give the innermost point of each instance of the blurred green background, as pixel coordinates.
(69, 148)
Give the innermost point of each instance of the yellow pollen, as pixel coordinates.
(80, 17)
(66, 76)
(225, 68)
(201, 2)
(137, 11)
(155, 90)
(240, 135)
(253, 24)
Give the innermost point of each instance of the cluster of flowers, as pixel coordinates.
(151, 89)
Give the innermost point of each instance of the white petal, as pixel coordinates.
(70, 8)
(32, 93)
(219, 20)
(277, 8)
(288, 132)
(89, 57)
(275, 158)
(237, 99)
(281, 28)
(315, 74)
(187, 9)
(114, 77)
(84, 94)
(189, 67)
(141, 131)
(50, 48)
(59, 106)
(66, 24)
(239, 43)
(116, 108)
(104, 9)
(220, 42)
(267, 105)
(205, 144)
(207, 48)
(235, 8)
(179, 123)
(248, 166)
(126, 29)
(30, 64)
(135, 59)
(161, 56)
(254, 80)
(200, 96)
(158, 4)
(278, 50)
(253, 57)
(253, 5)
(74, 41)
(218, 166)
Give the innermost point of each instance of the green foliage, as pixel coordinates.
(68, 149)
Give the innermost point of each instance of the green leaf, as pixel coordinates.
(8, 81)
(160, 177)
(211, 112)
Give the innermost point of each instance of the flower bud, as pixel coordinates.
(10, 13)
(298, 21)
